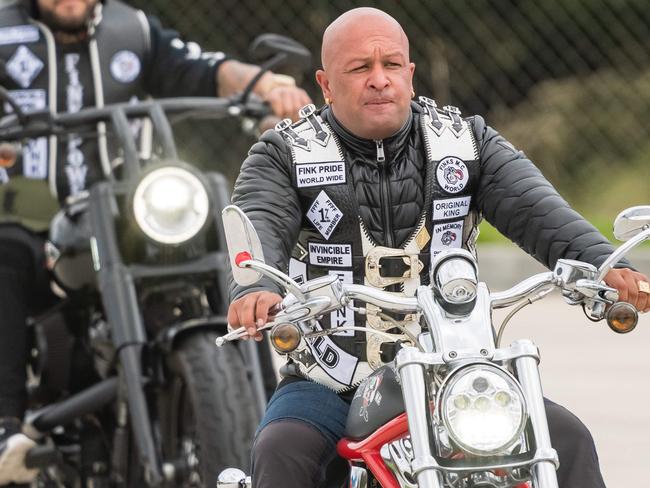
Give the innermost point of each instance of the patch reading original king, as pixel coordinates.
(324, 214)
(450, 208)
(320, 174)
(446, 236)
(330, 255)
(452, 174)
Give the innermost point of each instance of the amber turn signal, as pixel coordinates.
(622, 317)
(285, 337)
(8, 155)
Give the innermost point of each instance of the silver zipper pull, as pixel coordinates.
(380, 151)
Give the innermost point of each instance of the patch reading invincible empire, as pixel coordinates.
(320, 174)
(331, 255)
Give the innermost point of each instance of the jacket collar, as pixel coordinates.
(392, 145)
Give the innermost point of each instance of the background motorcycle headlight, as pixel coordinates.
(483, 409)
(171, 205)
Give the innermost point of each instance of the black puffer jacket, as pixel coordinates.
(512, 195)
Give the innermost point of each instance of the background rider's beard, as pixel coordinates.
(69, 25)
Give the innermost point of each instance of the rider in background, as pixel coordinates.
(375, 172)
(64, 55)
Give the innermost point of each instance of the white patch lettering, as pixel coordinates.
(76, 169)
(336, 362)
(320, 174)
(446, 236)
(24, 66)
(324, 214)
(452, 174)
(343, 317)
(18, 34)
(451, 208)
(330, 255)
(4, 176)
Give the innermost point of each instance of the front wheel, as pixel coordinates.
(208, 414)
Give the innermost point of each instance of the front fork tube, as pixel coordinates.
(121, 308)
(544, 472)
(416, 402)
(123, 313)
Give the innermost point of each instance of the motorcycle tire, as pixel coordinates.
(209, 410)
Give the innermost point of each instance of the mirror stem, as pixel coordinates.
(620, 252)
(275, 60)
(278, 277)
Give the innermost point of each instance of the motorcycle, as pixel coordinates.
(450, 408)
(126, 388)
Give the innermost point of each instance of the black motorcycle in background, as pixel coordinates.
(126, 385)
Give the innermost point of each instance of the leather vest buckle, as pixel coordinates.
(386, 266)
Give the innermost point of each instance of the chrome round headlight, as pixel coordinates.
(483, 409)
(171, 205)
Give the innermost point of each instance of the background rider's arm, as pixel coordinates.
(514, 197)
(175, 68)
(264, 191)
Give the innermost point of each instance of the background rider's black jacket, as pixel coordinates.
(512, 195)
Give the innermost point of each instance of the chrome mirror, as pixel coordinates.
(631, 222)
(243, 243)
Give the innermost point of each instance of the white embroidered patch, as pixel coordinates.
(450, 208)
(125, 66)
(4, 176)
(297, 271)
(336, 362)
(35, 159)
(331, 255)
(446, 236)
(324, 214)
(320, 174)
(28, 100)
(24, 66)
(35, 150)
(18, 34)
(452, 174)
(343, 317)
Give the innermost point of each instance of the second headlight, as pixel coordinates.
(171, 205)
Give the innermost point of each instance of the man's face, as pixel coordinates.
(369, 79)
(66, 15)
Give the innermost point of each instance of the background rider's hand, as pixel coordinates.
(626, 281)
(286, 100)
(252, 311)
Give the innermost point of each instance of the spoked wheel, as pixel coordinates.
(208, 414)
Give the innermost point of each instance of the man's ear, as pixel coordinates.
(324, 83)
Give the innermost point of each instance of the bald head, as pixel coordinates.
(350, 24)
(367, 76)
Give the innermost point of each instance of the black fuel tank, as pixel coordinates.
(377, 400)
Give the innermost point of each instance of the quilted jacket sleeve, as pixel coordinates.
(263, 190)
(514, 197)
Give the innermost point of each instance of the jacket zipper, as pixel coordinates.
(384, 195)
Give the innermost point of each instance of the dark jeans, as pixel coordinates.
(23, 287)
(297, 439)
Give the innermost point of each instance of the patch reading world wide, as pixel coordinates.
(320, 174)
(324, 214)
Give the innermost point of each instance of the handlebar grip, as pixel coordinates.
(42, 456)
